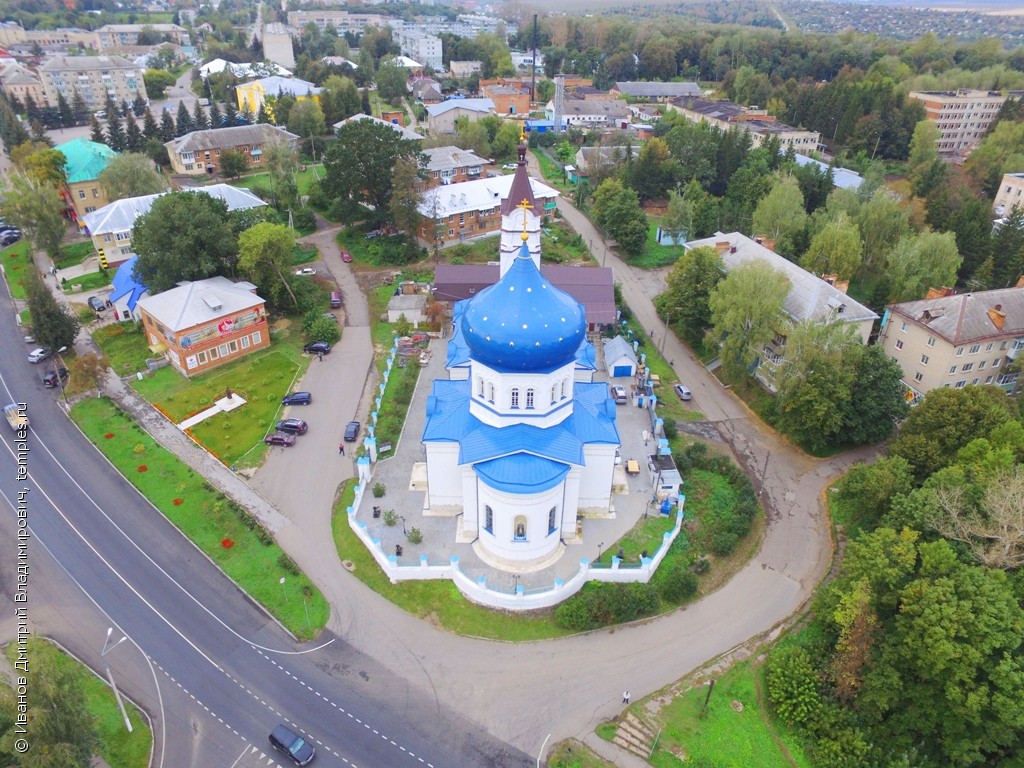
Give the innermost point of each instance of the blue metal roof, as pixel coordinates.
(521, 473)
(125, 284)
(523, 322)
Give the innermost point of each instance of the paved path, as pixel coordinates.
(523, 692)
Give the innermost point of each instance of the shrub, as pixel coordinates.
(671, 430)
(414, 535)
(378, 490)
(792, 685)
(288, 564)
(599, 605)
(304, 219)
(390, 517)
(676, 584)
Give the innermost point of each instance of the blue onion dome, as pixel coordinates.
(523, 322)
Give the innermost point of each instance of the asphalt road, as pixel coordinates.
(216, 673)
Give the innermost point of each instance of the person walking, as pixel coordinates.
(341, 448)
(320, 356)
(625, 697)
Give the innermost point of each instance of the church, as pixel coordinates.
(519, 439)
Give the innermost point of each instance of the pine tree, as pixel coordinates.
(125, 108)
(116, 138)
(183, 124)
(133, 136)
(39, 132)
(149, 126)
(199, 119)
(247, 115)
(79, 108)
(230, 109)
(167, 129)
(97, 131)
(263, 116)
(31, 108)
(216, 118)
(139, 105)
(366, 102)
(67, 116)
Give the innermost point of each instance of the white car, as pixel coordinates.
(305, 271)
(509, 166)
(39, 354)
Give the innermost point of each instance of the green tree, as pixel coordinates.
(130, 175)
(506, 140)
(183, 123)
(793, 685)
(53, 324)
(877, 402)
(882, 222)
(686, 302)
(359, 164)
(836, 249)
(677, 222)
(184, 236)
(306, 119)
(472, 135)
(867, 490)
(920, 262)
(780, 214)
(282, 163)
(655, 170)
(405, 200)
(945, 421)
(264, 256)
(391, 82)
(320, 328)
(157, 82)
(339, 99)
(746, 313)
(617, 210)
(233, 163)
(924, 151)
(1002, 151)
(37, 210)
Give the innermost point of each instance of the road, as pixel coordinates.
(212, 668)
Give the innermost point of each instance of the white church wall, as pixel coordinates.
(444, 478)
(499, 412)
(511, 510)
(470, 511)
(595, 483)
(571, 504)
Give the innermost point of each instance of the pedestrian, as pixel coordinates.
(625, 697)
(341, 448)
(320, 356)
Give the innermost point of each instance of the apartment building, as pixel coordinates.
(199, 152)
(1010, 194)
(421, 47)
(963, 117)
(762, 126)
(810, 298)
(956, 340)
(472, 209)
(21, 84)
(124, 35)
(342, 21)
(451, 165)
(62, 38)
(94, 77)
(85, 162)
(204, 324)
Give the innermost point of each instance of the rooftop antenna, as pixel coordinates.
(533, 63)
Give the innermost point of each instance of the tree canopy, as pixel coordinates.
(131, 175)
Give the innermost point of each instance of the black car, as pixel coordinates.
(297, 398)
(292, 426)
(288, 742)
(279, 438)
(351, 431)
(56, 378)
(97, 304)
(317, 348)
(10, 237)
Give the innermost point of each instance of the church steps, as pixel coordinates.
(635, 736)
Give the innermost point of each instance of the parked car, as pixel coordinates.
(280, 438)
(292, 426)
(373, 233)
(317, 348)
(39, 354)
(331, 316)
(5, 227)
(56, 378)
(619, 394)
(509, 166)
(10, 237)
(306, 271)
(351, 431)
(683, 392)
(297, 398)
(96, 303)
(346, 256)
(288, 742)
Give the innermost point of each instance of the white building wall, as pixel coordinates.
(508, 510)
(595, 486)
(512, 237)
(444, 478)
(499, 413)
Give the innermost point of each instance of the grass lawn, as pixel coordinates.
(262, 378)
(304, 255)
(118, 747)
(725, 737)
(647, 535)
(16, 261)
(251, 559)
(575, 754)
(25, 318)
(654, 255)
(87, 282)
(74, 254)
(124, 346)
(551, 169)
(303, 179)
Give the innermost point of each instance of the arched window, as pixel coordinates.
(490, 391)
(480, 387)
(554, 393)
(564, 381)
(514, 394)
(551, 520)
(488, 519)
(520, 529)
(529, 397)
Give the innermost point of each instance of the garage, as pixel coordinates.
(619, 358)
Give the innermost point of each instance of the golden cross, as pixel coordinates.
(525, 206)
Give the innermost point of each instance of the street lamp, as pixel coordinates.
(59, 382)
(107, 648)
(599, 551)
(402, 518)
(515, 580)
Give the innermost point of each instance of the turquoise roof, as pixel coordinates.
(523, 322)
(85, 159)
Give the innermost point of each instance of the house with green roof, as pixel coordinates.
(85, 160)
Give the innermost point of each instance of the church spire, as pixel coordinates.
(521, 191)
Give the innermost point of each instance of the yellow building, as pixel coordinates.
(265, 92)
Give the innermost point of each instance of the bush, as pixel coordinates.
(390, 517)
(378, 490)
(414, 535)
(304, 219)
(792, 685)
(676, 584)
(671, 430)
(599, 605)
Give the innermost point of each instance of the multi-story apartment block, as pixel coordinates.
(203, 324)
(810, 298)
(472, 209)
(956, 340)
(451, 165)
(199, 152)
(21, 84)
(342, 21)
(963, 117)
(94, 77)
(122, 35)
(762, 126)
(1010, 194)
(421, 47)
(12, 33)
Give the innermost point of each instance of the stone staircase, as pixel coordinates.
(634, 735)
